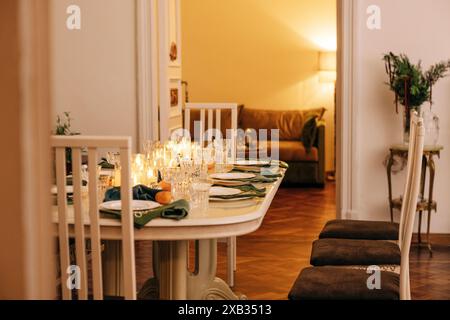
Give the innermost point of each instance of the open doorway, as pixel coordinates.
(277, 56)
(277, 60)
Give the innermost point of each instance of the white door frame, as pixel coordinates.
(346, 111)
(158, 25)
(147, 70)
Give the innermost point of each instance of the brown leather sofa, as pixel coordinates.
(306, 157)
(301, 139)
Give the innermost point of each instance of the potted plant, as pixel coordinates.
(411, 85)
(63, 128)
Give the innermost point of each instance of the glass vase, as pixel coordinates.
(407, 122)
(431, 124)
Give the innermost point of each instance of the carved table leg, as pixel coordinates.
(203, 284)
(112, 269)
(173, 270)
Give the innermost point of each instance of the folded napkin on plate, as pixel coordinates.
(241, 182)
(177, 210)
(261, 179)
(258, 167)
(105, 164)
(140, 192)
(248, 191)
(268, 172)
(280, 163)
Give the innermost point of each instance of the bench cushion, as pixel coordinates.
(345, 252)
(334, 283)
(355, 229)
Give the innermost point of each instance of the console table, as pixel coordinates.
(424, 204)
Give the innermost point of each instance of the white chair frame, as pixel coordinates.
(411, 196)
(214, 113)
(77, 143)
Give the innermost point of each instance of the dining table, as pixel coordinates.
(221, 220)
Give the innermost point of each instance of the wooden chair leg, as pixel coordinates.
(230, 261)
(235, 253)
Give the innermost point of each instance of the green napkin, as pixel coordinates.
(105, 164)
(257, 167)
(260, 179)
(177, 210)
(248, 191)
(280, 163)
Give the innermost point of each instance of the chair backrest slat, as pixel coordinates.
(80, 242)
(76, 144)
(410, 198)
(127, 226)
(218, 108)
(63, 232)
(218, 119)
(202, 123)
(210, 124)
(411, 146)
(94, 228)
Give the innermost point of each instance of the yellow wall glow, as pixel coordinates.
(262, 53)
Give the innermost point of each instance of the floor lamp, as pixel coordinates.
(327, 74)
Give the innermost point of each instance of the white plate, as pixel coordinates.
(136, 205)
(232, 176)
(222, 191)
(251, 162)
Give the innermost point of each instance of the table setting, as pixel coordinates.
(171, 179)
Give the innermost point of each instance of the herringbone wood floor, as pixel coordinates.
(269, 260)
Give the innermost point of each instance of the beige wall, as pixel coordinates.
(263, 54)
(420, 29)
(94, 69)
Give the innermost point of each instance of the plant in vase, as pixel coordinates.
(63, 128)
(411, 85)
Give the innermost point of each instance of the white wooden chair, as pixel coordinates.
(315, 282)
(81, 220)
(214, 112)
(410, 198)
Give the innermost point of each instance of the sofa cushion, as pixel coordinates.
(289, 122)
(345, 252)
(355, 229)
(334, 283)
(295, 151)
(291, 151)
(225, 120)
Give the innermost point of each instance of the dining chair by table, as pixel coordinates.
(76, 226)
(209, 124)
(361, 252)
(338, 282)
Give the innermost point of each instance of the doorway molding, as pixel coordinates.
(346, 111)
(147, 70)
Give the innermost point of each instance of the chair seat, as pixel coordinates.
(345, 252)
(335, 283)
(354, 229)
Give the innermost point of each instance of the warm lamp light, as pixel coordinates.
(327, 66)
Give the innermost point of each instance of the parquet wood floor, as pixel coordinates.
(269, 260)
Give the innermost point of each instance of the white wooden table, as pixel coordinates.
(223, 219)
